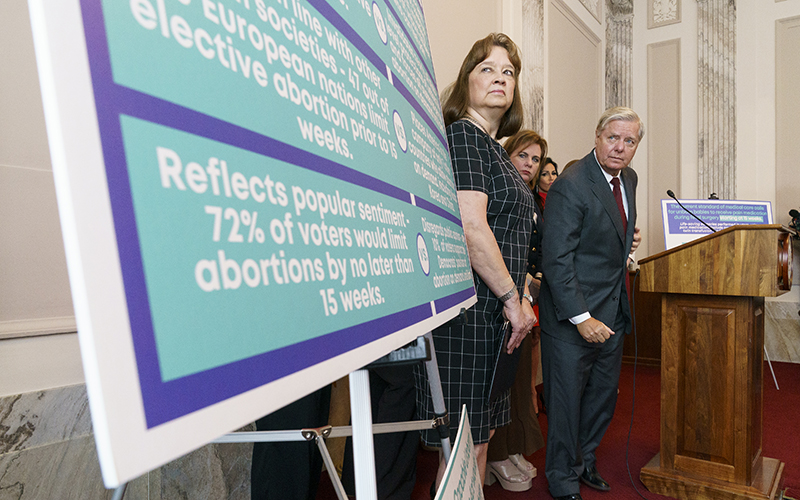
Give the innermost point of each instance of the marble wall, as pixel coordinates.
(47, 451)
(782, 319)
(716, 54)
(619, 50)
(532, 75)
(782, 331)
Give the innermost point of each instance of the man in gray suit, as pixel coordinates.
(589, 232)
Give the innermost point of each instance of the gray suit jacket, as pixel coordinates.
(584, 250)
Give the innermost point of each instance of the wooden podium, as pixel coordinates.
(712, 328)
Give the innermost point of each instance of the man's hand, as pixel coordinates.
(637, 239)
(522, 319)
(593, 330)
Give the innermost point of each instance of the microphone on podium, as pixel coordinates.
(672, 195)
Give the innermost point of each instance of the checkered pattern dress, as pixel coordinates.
(465, 350)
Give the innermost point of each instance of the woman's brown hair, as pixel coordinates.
(456, 96)
(523, 139)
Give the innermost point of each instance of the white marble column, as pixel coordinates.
(716, 54)
(619, 48)
(532, 77)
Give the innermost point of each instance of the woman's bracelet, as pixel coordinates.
(508, 295)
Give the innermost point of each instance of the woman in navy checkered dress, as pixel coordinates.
(497, 214)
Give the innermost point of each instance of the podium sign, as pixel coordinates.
(680, 227)
(256, 198)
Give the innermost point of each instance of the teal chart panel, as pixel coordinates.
(280, 184)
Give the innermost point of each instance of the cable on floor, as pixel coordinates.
(633, 402)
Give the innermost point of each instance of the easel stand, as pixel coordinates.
(119, 492)
(362, 429)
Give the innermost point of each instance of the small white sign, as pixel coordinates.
(462, 478)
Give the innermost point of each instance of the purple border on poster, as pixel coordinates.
(447, 302)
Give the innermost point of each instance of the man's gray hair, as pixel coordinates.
(619, 113)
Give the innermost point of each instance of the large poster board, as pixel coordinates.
(256, 198)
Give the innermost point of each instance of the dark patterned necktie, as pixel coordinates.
(618, 198)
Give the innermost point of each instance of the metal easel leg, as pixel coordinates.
(769, 362)
(363, 445)
(439, 409)
(119, 492)
(319, 435)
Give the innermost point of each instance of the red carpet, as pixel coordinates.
(781, 440)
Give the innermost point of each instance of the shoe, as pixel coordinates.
(592, 479)
(523, 465)
(576, 496)
(511, 478)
